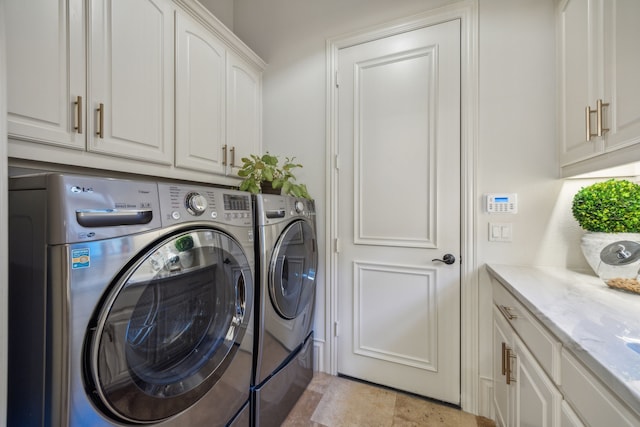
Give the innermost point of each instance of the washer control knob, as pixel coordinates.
(196, 203)
(299, 206)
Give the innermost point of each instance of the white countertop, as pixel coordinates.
(599, 325)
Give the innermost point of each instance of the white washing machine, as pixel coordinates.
(286, 263)
(130, 303)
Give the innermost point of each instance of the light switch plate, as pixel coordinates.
(500, 232)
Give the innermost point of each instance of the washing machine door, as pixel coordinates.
(292, 270)
(169, 326)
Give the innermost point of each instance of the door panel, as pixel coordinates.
(132, 75)
(375, 330)
(399, 203)
(393, 96)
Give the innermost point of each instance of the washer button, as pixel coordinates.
(214, 214)
(175, 215)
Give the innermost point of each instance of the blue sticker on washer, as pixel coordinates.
(80, 258)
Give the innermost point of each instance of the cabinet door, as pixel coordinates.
(244, 110)
(578, 58)
(622, 59)
(568, 417)
(537, 400)
(200, 98)
(501, 337)
(131, 75)
(45, 70)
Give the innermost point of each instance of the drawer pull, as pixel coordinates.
(100, 111)
(504, 358)
(78, 104)
(600, 130)
(509, 355)
(506, 311)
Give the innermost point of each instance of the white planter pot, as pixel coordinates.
(614, 257)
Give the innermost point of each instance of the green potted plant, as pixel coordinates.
(609, 212)
(261, 173)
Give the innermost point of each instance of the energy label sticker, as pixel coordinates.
(80, 258)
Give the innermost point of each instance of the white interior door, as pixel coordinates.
(399, 204)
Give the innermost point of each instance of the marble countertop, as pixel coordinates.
(599, 325)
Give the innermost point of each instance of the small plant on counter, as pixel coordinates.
(260, 171)
(611, 206)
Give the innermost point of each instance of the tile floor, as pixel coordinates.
(331, 401)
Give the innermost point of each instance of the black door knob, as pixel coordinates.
(447, 259)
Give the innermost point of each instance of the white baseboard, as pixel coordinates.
(318, 356)
(485, 407)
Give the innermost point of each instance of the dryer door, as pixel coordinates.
(169, 326)
(292, 271)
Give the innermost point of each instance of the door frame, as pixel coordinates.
(467, 12)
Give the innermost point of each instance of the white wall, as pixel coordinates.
(517, 151)
(222, 9)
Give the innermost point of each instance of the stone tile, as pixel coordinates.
(320, 382)
(331, 401)
(351, 403)
(304, 408)
(412, 411)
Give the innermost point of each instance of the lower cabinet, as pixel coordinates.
(537, 400)
(590, 398)
(523, 393)
(538, 382)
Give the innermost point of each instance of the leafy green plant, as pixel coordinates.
(611, 206)
(259, 169)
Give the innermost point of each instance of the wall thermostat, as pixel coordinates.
(502, 203)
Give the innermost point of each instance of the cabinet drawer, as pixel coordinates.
(592, 401)
(544, 347)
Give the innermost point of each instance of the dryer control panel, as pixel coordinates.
(272, 209)
(181, 203)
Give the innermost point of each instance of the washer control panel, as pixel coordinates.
(195, 203)
(273, 209)
(183, 203)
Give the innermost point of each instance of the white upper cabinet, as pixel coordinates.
(130, 108)
(126, 109)
(218, 101)
(578, 73)
(599, 98)
(621, 70)
(244, 112)
(45, 48)
(155, 87)
(200, 97)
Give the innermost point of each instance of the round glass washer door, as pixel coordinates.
(170, 326)
(292, 271)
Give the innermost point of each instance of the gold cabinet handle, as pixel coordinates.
(506, 311)
(78, 104)
(233, 156)
(588, 112)
(224, 155)
(100, 111)
(600, 129)
(504, 358)
(587, 120)
(509, 355)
